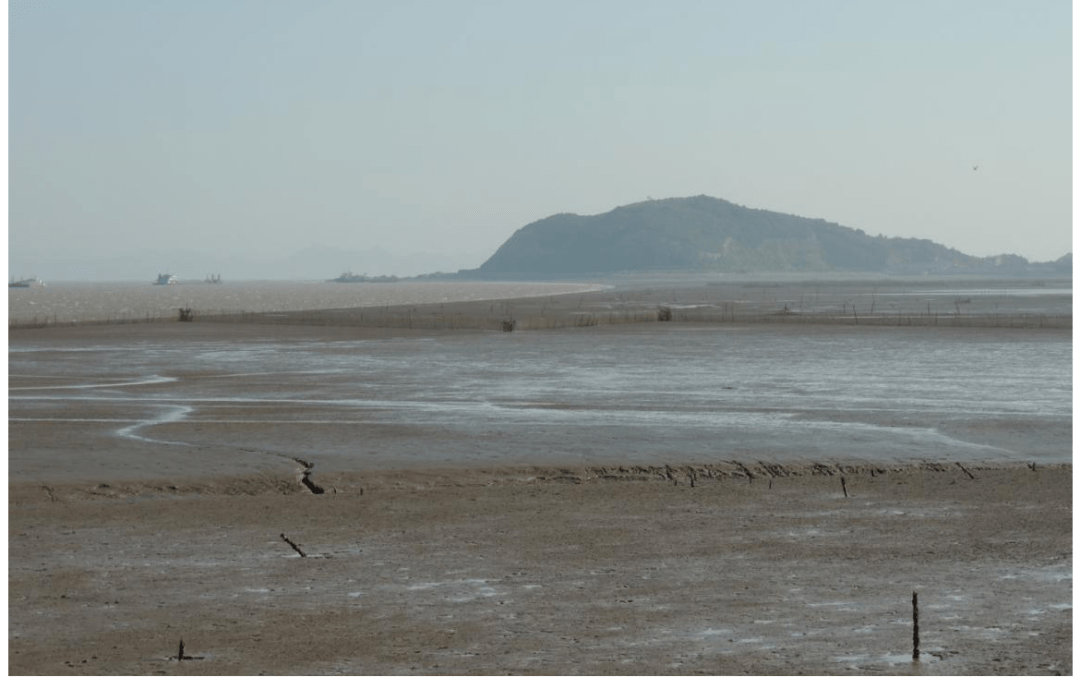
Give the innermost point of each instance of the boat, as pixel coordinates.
(166, 278)
(25, 283)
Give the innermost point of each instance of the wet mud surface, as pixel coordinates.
(721, 569)
(692, 497)
(187, 399)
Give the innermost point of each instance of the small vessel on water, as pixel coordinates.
(26, 283)
(166, 278)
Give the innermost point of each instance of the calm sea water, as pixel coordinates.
(98, 301)
(655, 393)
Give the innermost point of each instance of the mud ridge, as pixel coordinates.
(694, 476)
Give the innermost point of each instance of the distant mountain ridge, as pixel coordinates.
(704, 233)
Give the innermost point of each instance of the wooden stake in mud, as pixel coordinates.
(181, 656)
(966, 471)
(294, 546)
(915, 625)
(843, 485)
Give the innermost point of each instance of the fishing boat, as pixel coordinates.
(166, 278)
(26, 283)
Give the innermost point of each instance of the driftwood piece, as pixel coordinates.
(305, 476)
(311, 486)
(293, 545)
(966, 471)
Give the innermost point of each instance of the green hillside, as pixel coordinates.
(708, 234)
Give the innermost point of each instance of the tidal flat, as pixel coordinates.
(753, 494)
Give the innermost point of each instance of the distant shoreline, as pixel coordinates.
(937, 302)
(972, 303)
(129, 303)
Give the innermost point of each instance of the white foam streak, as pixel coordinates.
(152, 380)
(172, 414)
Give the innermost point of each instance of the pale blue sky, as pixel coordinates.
(262, 127)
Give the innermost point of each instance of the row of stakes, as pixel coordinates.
(843, 484)
(180, 656)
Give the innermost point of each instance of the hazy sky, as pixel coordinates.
(267, 126)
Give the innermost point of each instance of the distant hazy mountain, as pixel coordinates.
(707, 234)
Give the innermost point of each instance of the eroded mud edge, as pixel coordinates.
(683, 474)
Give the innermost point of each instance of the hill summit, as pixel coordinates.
(704, 233)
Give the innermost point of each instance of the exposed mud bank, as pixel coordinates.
(722, 474)
(737, 567)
